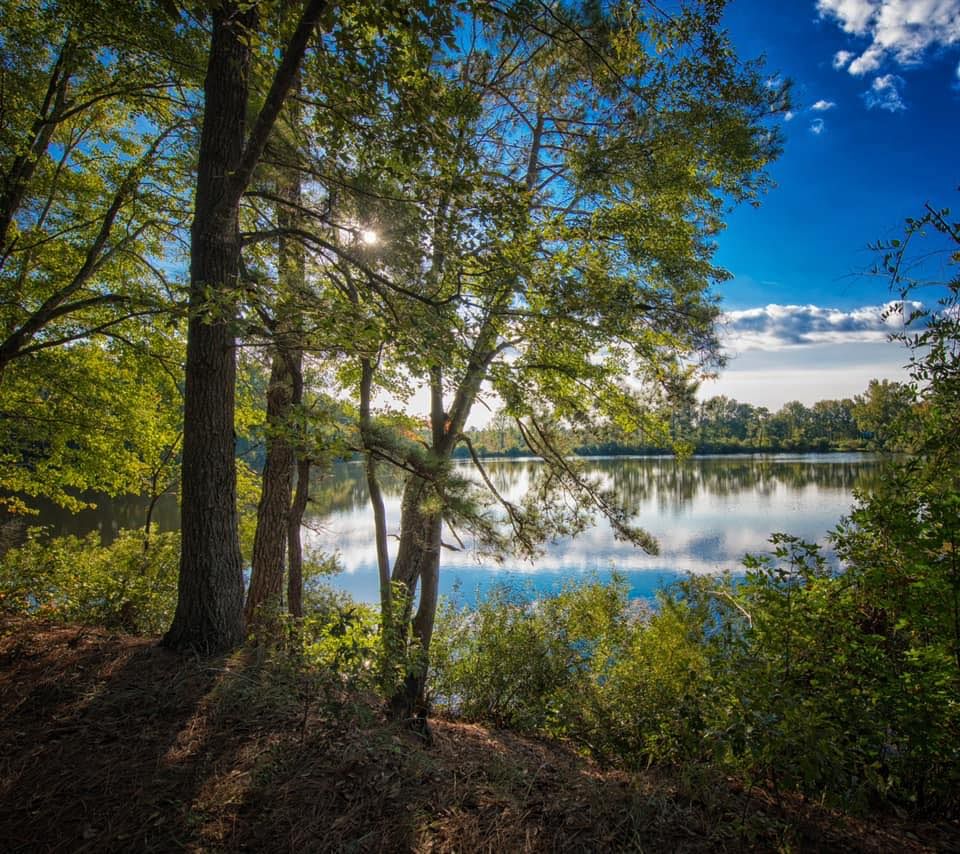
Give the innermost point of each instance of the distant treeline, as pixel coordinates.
(723, 425)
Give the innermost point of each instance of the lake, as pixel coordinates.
(705, 512)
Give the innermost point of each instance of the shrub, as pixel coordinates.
(582, 665)
(75, 579)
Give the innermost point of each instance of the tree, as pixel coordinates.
(315, 183)
(569, 211)
(209, 615)
(91, 137)
(881, 410)
(901, 545)
(276, 517)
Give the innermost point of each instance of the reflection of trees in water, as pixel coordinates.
(675, 483)
(108, 517)
(338, 491)
(671, 483)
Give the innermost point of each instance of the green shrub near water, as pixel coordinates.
(844, 686)
(76, 579)
(583, 665)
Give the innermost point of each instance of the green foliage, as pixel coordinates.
(342, 636)
(884, 412)
(794, 675)
(123, 586)
(842, 683)
(583, 665)
(715, 425)
(86, 418)
(92, 169)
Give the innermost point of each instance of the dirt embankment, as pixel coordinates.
(108, 743)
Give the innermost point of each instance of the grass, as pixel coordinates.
(109, 743)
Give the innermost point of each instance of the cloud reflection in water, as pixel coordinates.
(706, 513)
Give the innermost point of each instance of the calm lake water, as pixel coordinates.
(705, 512)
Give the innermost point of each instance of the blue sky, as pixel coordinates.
(874, 133)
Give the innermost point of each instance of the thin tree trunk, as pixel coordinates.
(21, 170)
(376, 497)
(418, 555)
(418, 562)
(294, 546)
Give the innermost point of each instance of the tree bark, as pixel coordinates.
(418, 555)
(294, 546)
(209, 615)
(376, 497)
(284, 391)
(270, 539)
(418, 562)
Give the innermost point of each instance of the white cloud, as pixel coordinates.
(842, 58)
(788, 116)
(884, 94)
(903, 30)
(778, 327)
(822, 106)
(868, 61)
(855, 16)
(817, 126)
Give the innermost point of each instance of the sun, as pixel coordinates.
(369, 237)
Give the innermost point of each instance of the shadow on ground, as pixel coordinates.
(108, 743)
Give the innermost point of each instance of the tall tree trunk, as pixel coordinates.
(418, 560)
(209, 615)
(270, 538)
(284, 391)
(376, 496)
(418, 555)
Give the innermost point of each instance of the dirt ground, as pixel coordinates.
(109, 743)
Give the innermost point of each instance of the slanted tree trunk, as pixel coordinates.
(417, 563)
(209, 615)
(418, 555)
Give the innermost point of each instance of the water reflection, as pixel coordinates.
(705, 512)
(107, 517)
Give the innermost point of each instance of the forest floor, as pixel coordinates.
(109, 743)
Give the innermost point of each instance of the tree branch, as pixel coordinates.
(283, 81)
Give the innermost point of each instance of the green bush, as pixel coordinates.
(842, 685)
(583, 665)
(75, 579)
(342, 636)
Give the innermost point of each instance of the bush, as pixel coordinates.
(841, 685)
(342, 636)
(75, 579)
(583, 665)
